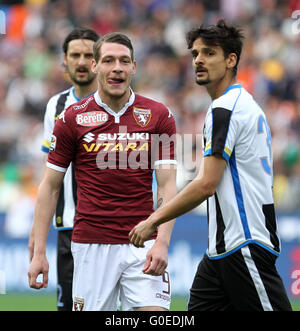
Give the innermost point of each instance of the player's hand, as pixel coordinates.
(141, 232)
(39, 265)
(156, 259)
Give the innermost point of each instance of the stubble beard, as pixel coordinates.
(86, 82)
(89, 80)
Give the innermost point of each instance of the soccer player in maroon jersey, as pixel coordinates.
(115, 138)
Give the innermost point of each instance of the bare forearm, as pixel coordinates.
(43, 213)
(165, 230)
(189, 198)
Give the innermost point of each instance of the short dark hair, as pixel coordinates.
(79, 33)
(229, 38)
(114, 37)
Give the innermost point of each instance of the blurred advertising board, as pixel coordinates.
(188, 244)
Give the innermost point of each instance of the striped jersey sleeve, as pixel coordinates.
(221, 129)
(55, 106)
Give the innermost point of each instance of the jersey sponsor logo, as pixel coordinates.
(113, 142)
(124, 136)
(113, 147)
(89, 137)
(52, 143)
(84, 104)
(142, 116)
(92, 118)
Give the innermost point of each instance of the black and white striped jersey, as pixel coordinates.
(242, 209)
(66, 204)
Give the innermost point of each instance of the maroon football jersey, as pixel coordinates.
(113, 155)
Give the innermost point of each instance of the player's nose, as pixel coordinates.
(82, 60)
(117, 66)
(199, 60)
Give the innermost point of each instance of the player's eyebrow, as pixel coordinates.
(208, 49)
(204, 50)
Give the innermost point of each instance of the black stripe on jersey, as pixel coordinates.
(61, 102)
(60, 106)
(220, 241)
(220, 126)
(60, 208)
(270, 219)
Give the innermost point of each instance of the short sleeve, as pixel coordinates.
(220, 133)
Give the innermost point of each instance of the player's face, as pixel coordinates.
(115, 69)
(209, 63)
(78, 61)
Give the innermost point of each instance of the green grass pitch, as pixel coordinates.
(40, 301)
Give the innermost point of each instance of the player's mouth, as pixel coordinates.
(82, 71)
(115, 81)
(201, 71)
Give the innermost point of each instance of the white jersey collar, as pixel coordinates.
(110, 111)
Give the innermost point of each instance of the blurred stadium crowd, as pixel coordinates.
(31, 72)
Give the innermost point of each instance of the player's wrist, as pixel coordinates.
(39, 252)
(163, 242)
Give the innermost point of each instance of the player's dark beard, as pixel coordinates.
(81, 82)
(203, 82)
(88, 81)
(200, 81)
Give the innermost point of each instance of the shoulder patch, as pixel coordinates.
(52, 143)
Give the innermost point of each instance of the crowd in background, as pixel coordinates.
(31, 72)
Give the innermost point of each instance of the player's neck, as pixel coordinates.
(85, 90)
(217, 89)
(115, 103)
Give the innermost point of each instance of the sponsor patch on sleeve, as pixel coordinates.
(52, 143)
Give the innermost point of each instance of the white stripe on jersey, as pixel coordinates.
(55, 167)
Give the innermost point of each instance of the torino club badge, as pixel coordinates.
(142, 116)
(78, 304)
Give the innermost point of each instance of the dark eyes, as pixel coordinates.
(109, 60)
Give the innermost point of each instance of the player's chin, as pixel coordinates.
(83, 81)
(117, 91)
(202, 82)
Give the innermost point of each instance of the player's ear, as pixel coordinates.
(65, 61)
(231, 60)
(94, 66)
(134, 68)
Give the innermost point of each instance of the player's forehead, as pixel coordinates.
(114, 50)
(199, 45)
(80, 46)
